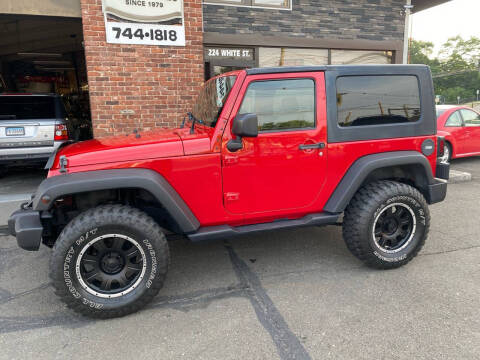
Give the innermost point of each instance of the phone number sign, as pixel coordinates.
(144, 22)
(146, 34)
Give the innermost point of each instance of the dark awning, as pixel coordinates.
(420, 5)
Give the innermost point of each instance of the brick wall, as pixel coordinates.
(314, 19)
(157, 83)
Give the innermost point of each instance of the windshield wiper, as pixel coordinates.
(193, 119)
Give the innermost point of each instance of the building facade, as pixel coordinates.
(138, 86)
(302, 32)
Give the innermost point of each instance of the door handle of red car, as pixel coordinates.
(319, 145)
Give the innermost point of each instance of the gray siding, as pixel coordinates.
(378, 20)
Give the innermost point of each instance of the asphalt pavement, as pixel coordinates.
(291, 294)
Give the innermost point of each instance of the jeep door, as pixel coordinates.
(283, 169)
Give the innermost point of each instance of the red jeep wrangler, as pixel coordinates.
(262, 149)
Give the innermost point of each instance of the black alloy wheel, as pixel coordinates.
(394, 227)
(111, 265)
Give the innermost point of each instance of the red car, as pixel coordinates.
(460, 125)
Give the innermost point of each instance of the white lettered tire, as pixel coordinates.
(386, 224)
(109, 261)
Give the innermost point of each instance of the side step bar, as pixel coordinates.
(225, 231)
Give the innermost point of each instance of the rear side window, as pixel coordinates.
(27, 107)
(377, 100)
(470, 117)
(281, 104)
(454, 120)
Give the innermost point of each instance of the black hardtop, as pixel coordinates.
(371, 69)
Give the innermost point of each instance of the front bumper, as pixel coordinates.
(26, 226)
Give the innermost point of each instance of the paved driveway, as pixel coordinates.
(285, 294)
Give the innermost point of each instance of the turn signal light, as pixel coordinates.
(61, 132)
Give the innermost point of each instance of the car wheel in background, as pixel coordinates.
(447, 153)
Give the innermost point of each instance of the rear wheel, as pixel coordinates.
(109, 261)
(447, 153)
(386, 224)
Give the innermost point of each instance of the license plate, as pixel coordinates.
(15, 131)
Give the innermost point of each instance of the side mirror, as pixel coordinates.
(244, 125)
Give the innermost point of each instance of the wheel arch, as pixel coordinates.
(409, 167)
(153, 183)
(450, 140)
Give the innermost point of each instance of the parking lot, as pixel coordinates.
(291, 294)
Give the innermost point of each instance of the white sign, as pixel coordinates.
(144, 10)
(145, 22)
(146, 34)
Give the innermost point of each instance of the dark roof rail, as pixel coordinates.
(296, 69)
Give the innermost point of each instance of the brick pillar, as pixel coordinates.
(157, 83)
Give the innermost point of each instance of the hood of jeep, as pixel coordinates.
(146, 145)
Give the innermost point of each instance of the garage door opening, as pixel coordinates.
(44, 55)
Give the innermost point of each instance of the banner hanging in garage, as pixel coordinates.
(144, 22)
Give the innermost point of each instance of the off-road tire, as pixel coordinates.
(368, 204)
(87, 228)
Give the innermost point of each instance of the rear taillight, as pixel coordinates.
(440, 146)
(61, 132)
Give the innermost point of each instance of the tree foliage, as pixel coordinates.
(456, 69)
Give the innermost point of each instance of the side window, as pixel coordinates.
(454, 120)
(281, 104)
(470, 117)
(377, 100)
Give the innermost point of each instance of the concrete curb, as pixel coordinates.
(459, 177)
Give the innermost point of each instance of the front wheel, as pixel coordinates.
(109, 261)
(386, 224)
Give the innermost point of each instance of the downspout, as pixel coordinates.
(406, 35)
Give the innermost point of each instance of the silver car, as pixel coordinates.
(32, 127)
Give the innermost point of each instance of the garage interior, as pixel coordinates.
(44, 54)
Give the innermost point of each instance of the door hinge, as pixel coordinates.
(232, 196)
(230, 160)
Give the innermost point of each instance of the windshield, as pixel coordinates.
(211, 99)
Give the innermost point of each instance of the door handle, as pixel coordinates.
(319, 145)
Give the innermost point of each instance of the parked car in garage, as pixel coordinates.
(3, 86)
(460, 125)
(32, 127)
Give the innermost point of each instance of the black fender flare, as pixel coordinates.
(364, 166)
(57, 186)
